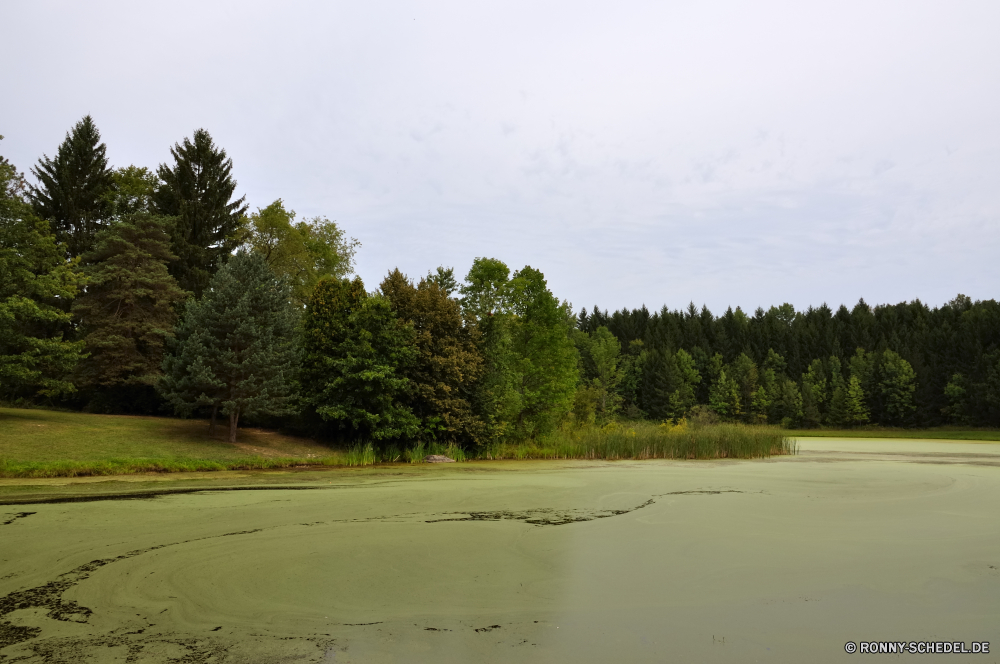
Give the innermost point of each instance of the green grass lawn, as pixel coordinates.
(936, 433)
(45, 443)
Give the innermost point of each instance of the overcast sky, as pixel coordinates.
(726, 153)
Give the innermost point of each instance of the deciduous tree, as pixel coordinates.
(302, 252)
(357, 356)
(36, 286)
(447, 365)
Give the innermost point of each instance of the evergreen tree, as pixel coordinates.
(36, 286)
(444, 277)
(235, 348)
(772, 379)
(659, 380)
(357, 356)
(198, 192)
(447, 364)
(604, 352)
(753, 402)
(75, 188)
(129, 308)
(837, 414)
(813, 394)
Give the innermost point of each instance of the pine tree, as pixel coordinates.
(198, 192)
(837, 411)
(36, 285)
(743, 370)
(656, 383)
(128, 310)
(605, 351)
(74, 192)
(235, 349)
(813, 394)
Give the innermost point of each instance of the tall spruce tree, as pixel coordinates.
(129, 308)
(74, 191)
(235, 349)
(197, 190)
(36, 286)
(605, 351)
(659, 379)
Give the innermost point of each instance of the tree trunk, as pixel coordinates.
(234, 418)
(211, 427)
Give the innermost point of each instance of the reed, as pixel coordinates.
(645, 440)
(361, 455)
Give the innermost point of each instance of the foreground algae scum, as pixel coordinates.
(777, 560)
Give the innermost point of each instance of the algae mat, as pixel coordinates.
(781, 560)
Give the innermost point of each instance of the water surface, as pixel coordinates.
(780, 560)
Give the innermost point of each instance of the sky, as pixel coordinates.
(659, 153)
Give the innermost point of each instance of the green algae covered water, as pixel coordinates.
(781, 560)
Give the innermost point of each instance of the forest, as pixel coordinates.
(156, 290)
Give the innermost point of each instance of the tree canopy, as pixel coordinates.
(302, 252)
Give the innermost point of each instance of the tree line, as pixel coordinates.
(140, 290)
(893, 365)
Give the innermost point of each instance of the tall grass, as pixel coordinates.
(361, 455)
(645, 440)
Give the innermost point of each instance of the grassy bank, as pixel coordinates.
(43, 443)
(936, 433)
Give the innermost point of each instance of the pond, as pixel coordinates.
(777, 560)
